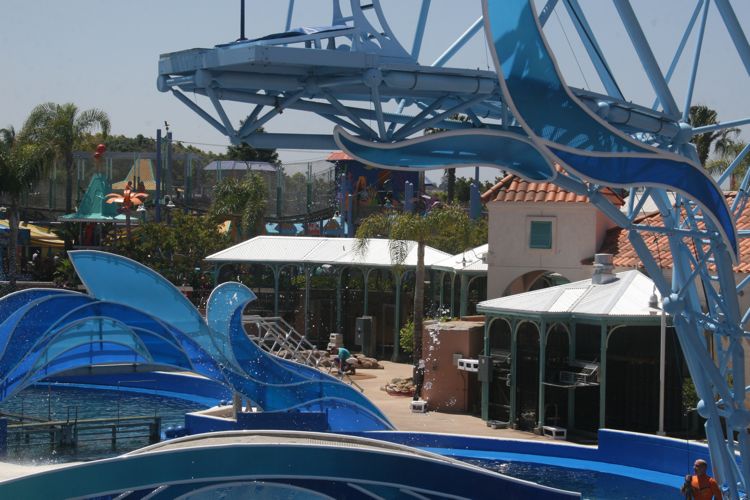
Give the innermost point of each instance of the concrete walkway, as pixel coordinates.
(398, 408)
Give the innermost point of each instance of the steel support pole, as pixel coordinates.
(513, 417)
(339, 277)
(662, 366)
(157, 194)
(276, 279)
(486, 383)
(648, 60)
(603, 376)
(571, 391)
(542, 373)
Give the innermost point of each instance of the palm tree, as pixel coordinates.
(241, 200)
(438, 225)
(63, 127)
(21, 167)
(700, 116)
(720, 164)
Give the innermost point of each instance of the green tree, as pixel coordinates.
(64, 127)
(243, 201)
(21, 167)
(437, 227)
(450, 173)
(176, 251)
(701, 116)
(720, 164)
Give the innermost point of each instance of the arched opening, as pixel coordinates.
(527, 373)
(588, 340)
(477, 293)
(535, 280)
(500, 346)
(632, 367)
(555, 396)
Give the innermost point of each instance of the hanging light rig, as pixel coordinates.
(242, 21)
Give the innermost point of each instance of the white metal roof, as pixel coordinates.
(472, 261)
(628, 295)
(314, 250)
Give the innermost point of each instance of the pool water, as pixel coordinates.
(591, 484)
(68, 403)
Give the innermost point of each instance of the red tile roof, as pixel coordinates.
(339, 156)
(617, 243)
(515, 189)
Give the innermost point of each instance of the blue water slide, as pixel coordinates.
(569, 132)
(559, 129)
(491, 148)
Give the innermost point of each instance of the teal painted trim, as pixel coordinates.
(571, 392)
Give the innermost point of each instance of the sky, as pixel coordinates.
(104, 54)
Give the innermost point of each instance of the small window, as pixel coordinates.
(540, 235)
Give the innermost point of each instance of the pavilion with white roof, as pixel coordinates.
(549, 349)
(335, 254)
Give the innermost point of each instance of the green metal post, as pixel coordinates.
(464, 294)
(486, 383)
(571, 391)
(308, 279)
(453, 293)
(366, 273)
(542, 372)
(513, 369)
(442, 294)
(603, 376)
(339, 278)
(279, 195)
(276, 279)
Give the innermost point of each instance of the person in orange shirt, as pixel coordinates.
(700, 486)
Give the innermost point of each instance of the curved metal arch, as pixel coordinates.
(564, 325)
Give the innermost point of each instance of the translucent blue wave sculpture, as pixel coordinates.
(132, 315)
(559, 127)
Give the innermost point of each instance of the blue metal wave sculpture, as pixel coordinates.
(560, 128)
(132, 315)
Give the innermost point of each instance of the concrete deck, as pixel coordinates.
(398, 409)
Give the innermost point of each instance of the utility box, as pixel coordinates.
(485, 368)
(364, 335)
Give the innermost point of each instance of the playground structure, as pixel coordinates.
(526, 119)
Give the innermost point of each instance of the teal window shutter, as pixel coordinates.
(540, 235)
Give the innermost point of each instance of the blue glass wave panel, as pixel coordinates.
(224, 300)
(114, 278)
(283, 388)
(35, 322)
(87, 332)
(546, 109)
(13, 301)
(77, 357)
(492, 148)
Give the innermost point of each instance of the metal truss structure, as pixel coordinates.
(357, 71)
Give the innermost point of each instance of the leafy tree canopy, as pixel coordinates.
(176, 251)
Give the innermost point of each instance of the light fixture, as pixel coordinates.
(141, 208)
(170, 204)
(653, 301)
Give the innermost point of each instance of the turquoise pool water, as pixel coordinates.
(69, 403)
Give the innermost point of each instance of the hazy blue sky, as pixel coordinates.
(104, 54)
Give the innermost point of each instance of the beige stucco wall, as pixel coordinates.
(578, 230)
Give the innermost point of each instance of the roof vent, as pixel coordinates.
(603, 269)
